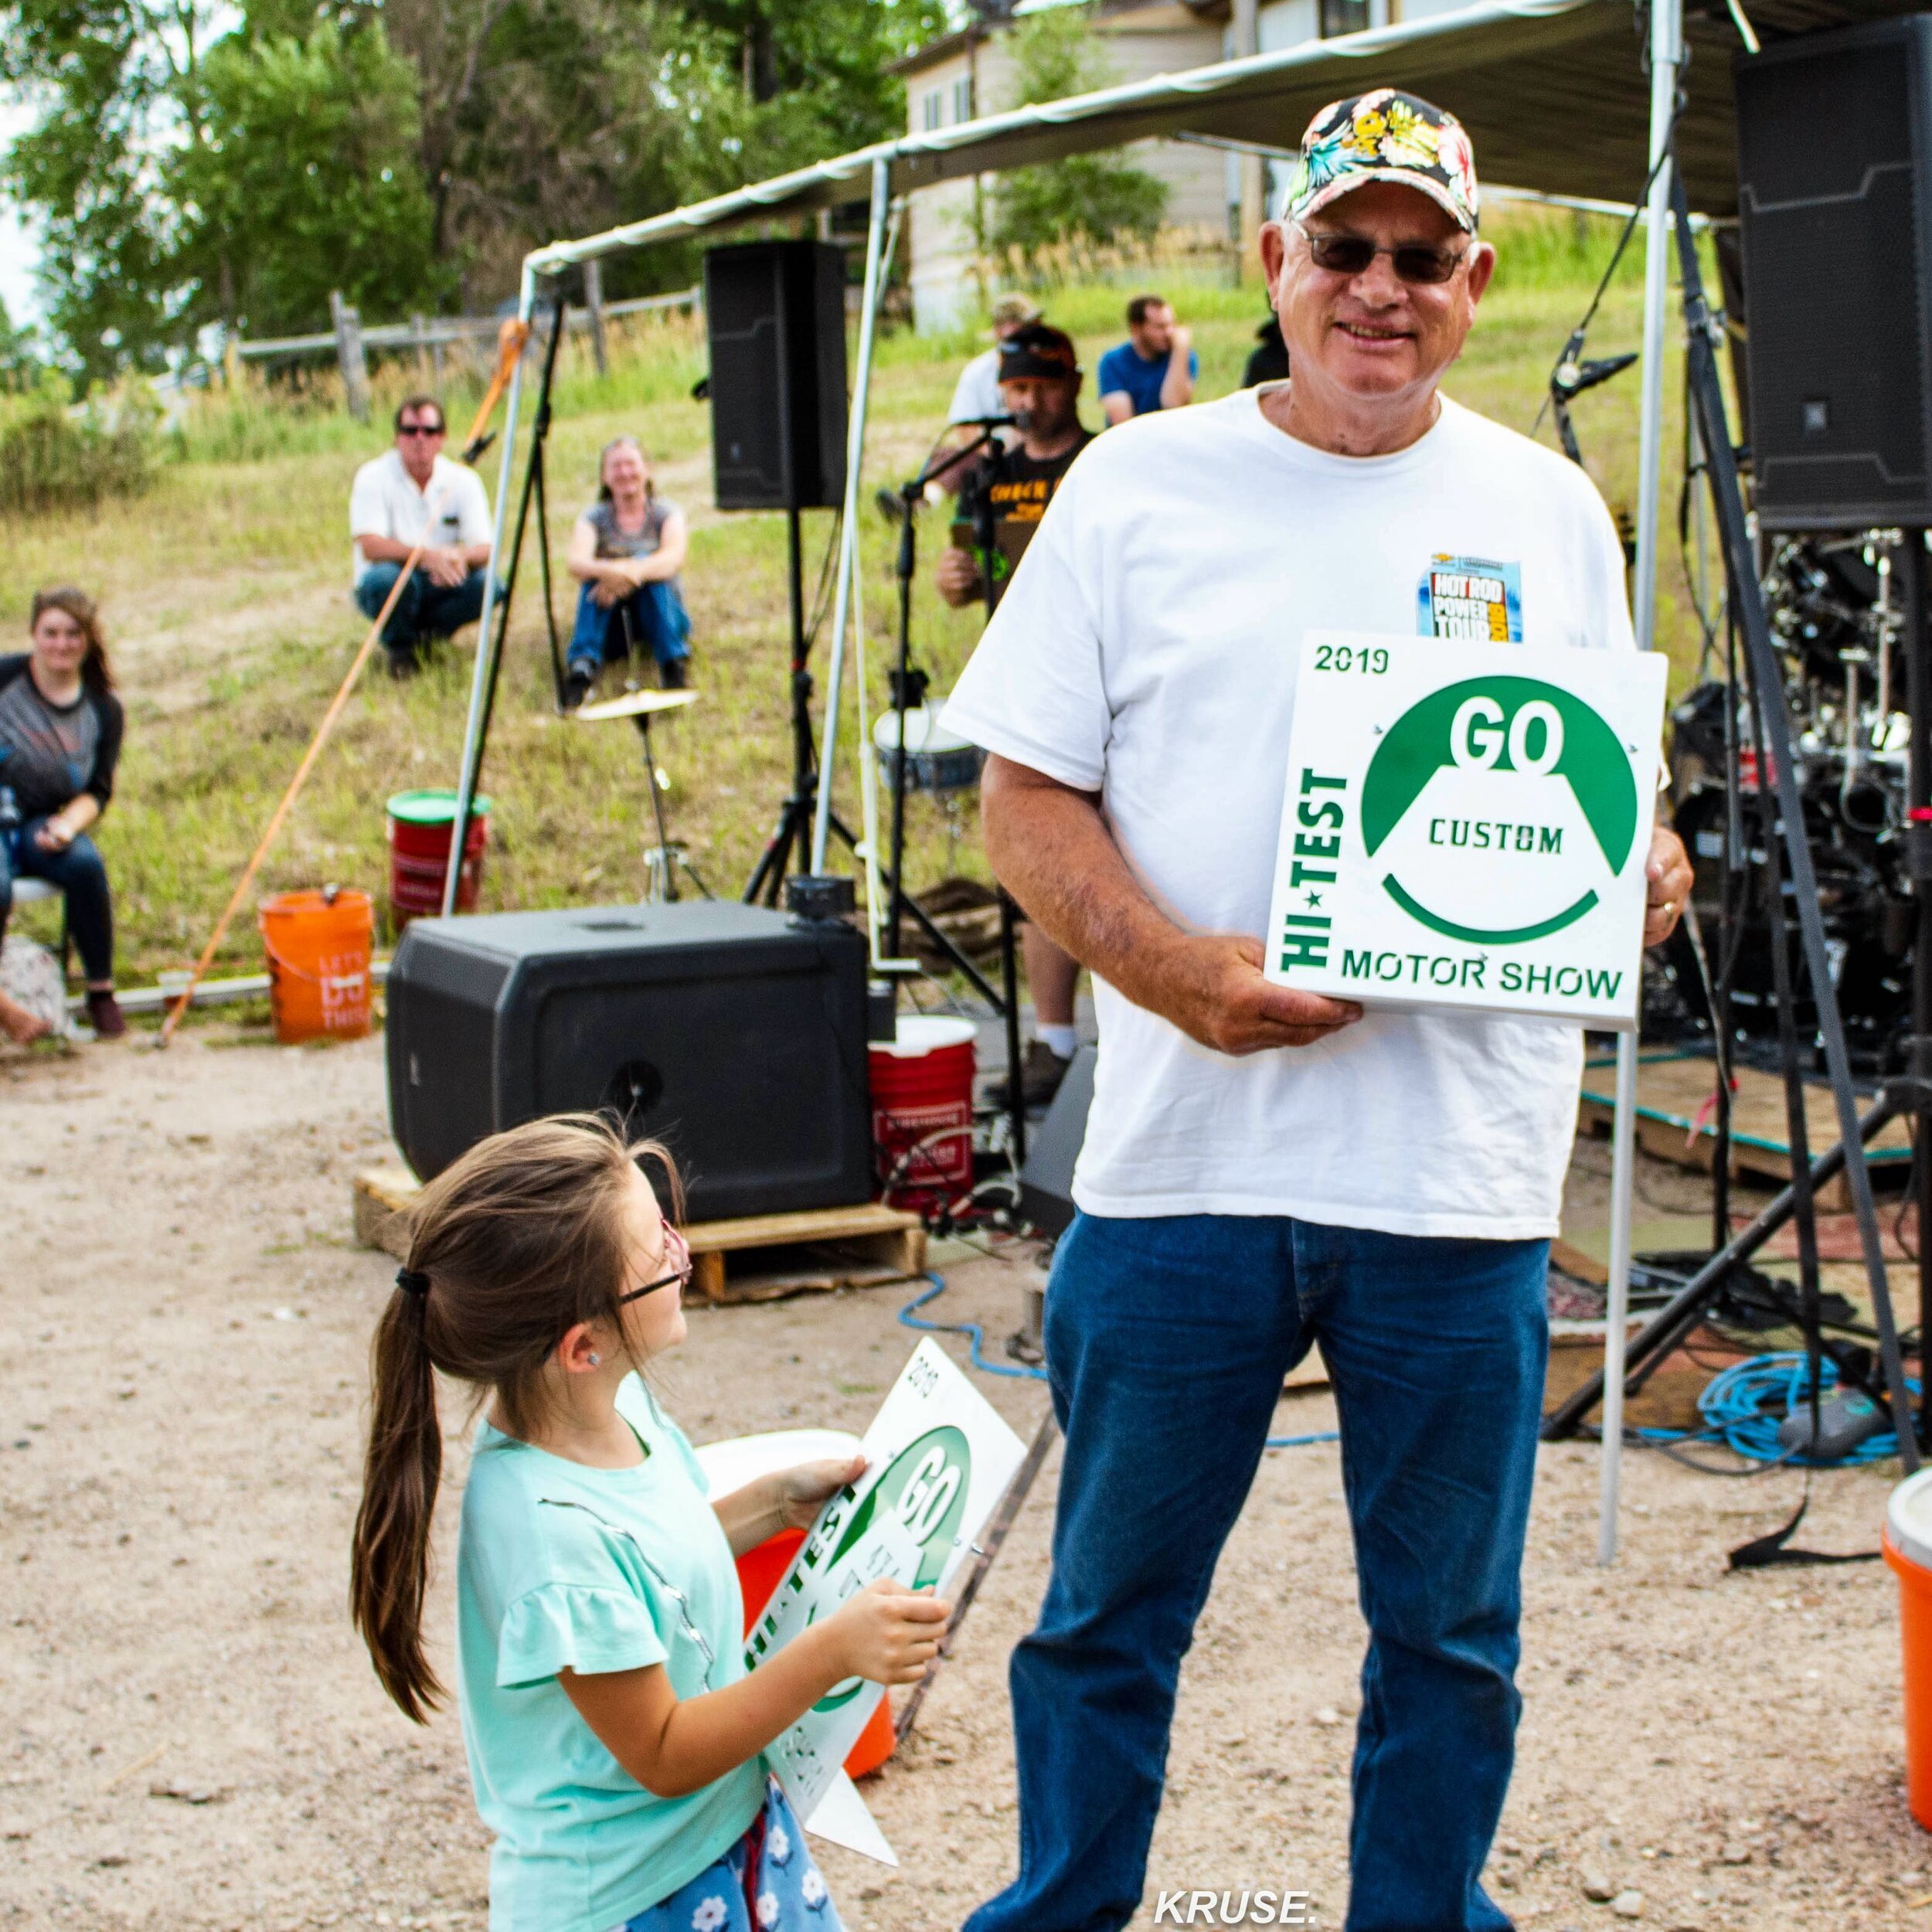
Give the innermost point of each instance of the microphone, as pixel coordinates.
(1572, 377)
(986, 422)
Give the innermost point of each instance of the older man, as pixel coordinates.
(413, 494)
(1265, 1169)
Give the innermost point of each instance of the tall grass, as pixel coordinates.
(52, 459)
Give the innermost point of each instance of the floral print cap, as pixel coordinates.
(1385, 135)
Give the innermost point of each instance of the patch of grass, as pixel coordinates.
(226, 590)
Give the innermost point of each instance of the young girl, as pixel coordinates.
(613, 1737)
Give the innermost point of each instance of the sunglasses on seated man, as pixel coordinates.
(1415, 262)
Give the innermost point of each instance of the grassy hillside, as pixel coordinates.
(226, 590)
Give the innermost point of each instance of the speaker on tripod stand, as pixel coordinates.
(775, 325)
(1834, 206)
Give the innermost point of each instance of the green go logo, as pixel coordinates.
(925, 1486)
(1498, 740)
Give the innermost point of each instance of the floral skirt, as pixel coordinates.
(766, 1882)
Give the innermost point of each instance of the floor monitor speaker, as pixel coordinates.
(1834, 195)
(775, 316)
(734, 1034)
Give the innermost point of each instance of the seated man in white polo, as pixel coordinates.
(409, 492)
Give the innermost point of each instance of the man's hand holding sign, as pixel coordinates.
(1469, 827)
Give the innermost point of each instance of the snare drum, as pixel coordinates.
(936, 759)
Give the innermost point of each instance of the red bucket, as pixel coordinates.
(419, 824)
(922, 1111)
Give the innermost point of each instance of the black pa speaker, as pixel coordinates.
(1834, 199)
(775, 316)
(734, 1034)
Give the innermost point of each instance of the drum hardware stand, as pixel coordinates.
(1688, 1307)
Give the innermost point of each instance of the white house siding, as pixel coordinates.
(1161, 38)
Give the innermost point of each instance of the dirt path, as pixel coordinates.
(194, 1740)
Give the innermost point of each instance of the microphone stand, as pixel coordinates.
(909, 693)
(908, 686)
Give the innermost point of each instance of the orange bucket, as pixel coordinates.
(1907, 1543)
(317, 945)
(761, 1571)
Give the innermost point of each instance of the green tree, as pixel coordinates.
(121, 81)
(22, 366)
(1098, 199)
(304, 180)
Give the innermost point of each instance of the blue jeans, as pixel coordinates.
(82, 878)
(1167, 1342)
(425, 610)
(658, 618)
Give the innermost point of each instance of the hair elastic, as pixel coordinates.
(413, 1281)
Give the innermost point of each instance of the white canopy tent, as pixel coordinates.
(1567, 96)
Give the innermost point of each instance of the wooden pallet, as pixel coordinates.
(759, 1258)
(1672, 1089)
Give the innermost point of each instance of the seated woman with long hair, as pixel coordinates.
(60, 730)
(626, 550)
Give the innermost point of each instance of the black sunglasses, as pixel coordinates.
(421, 428)
(1413, 261)
(682, 1246)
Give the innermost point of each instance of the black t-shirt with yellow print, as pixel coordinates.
(1017, 488)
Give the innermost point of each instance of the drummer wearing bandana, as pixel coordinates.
(1039, 387)
(1264, 1169)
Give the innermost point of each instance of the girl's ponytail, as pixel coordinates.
(510, 1247)
(390, 1568)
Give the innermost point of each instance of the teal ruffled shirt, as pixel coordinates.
(562, 1567)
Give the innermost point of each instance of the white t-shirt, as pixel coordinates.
(384, 502)
(977, 394)
(1146, 649)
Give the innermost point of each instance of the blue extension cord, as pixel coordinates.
(1742, 1406)
(976, 1336)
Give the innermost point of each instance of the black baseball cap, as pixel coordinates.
(1038, 349)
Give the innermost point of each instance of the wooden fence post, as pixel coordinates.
(349, 355)
(594, 303)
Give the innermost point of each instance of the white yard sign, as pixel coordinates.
(939, 1457)
(1466, 825)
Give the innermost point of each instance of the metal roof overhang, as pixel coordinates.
(1553, 93)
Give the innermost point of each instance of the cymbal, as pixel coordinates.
(633, 704)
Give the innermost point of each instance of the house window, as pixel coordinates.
(963, 98)
(931, 115)
(1344, 16)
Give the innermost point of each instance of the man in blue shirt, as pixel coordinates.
(1153, 369)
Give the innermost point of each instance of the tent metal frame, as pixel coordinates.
(1249, 99)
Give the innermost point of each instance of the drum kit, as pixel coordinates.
(664, 861)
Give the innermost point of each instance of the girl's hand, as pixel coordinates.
(803, 1489)
(887, 1633)
(55, 834)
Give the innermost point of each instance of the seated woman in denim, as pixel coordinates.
(60, 730)
(627, 549)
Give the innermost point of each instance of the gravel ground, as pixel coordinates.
(194, 1740)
